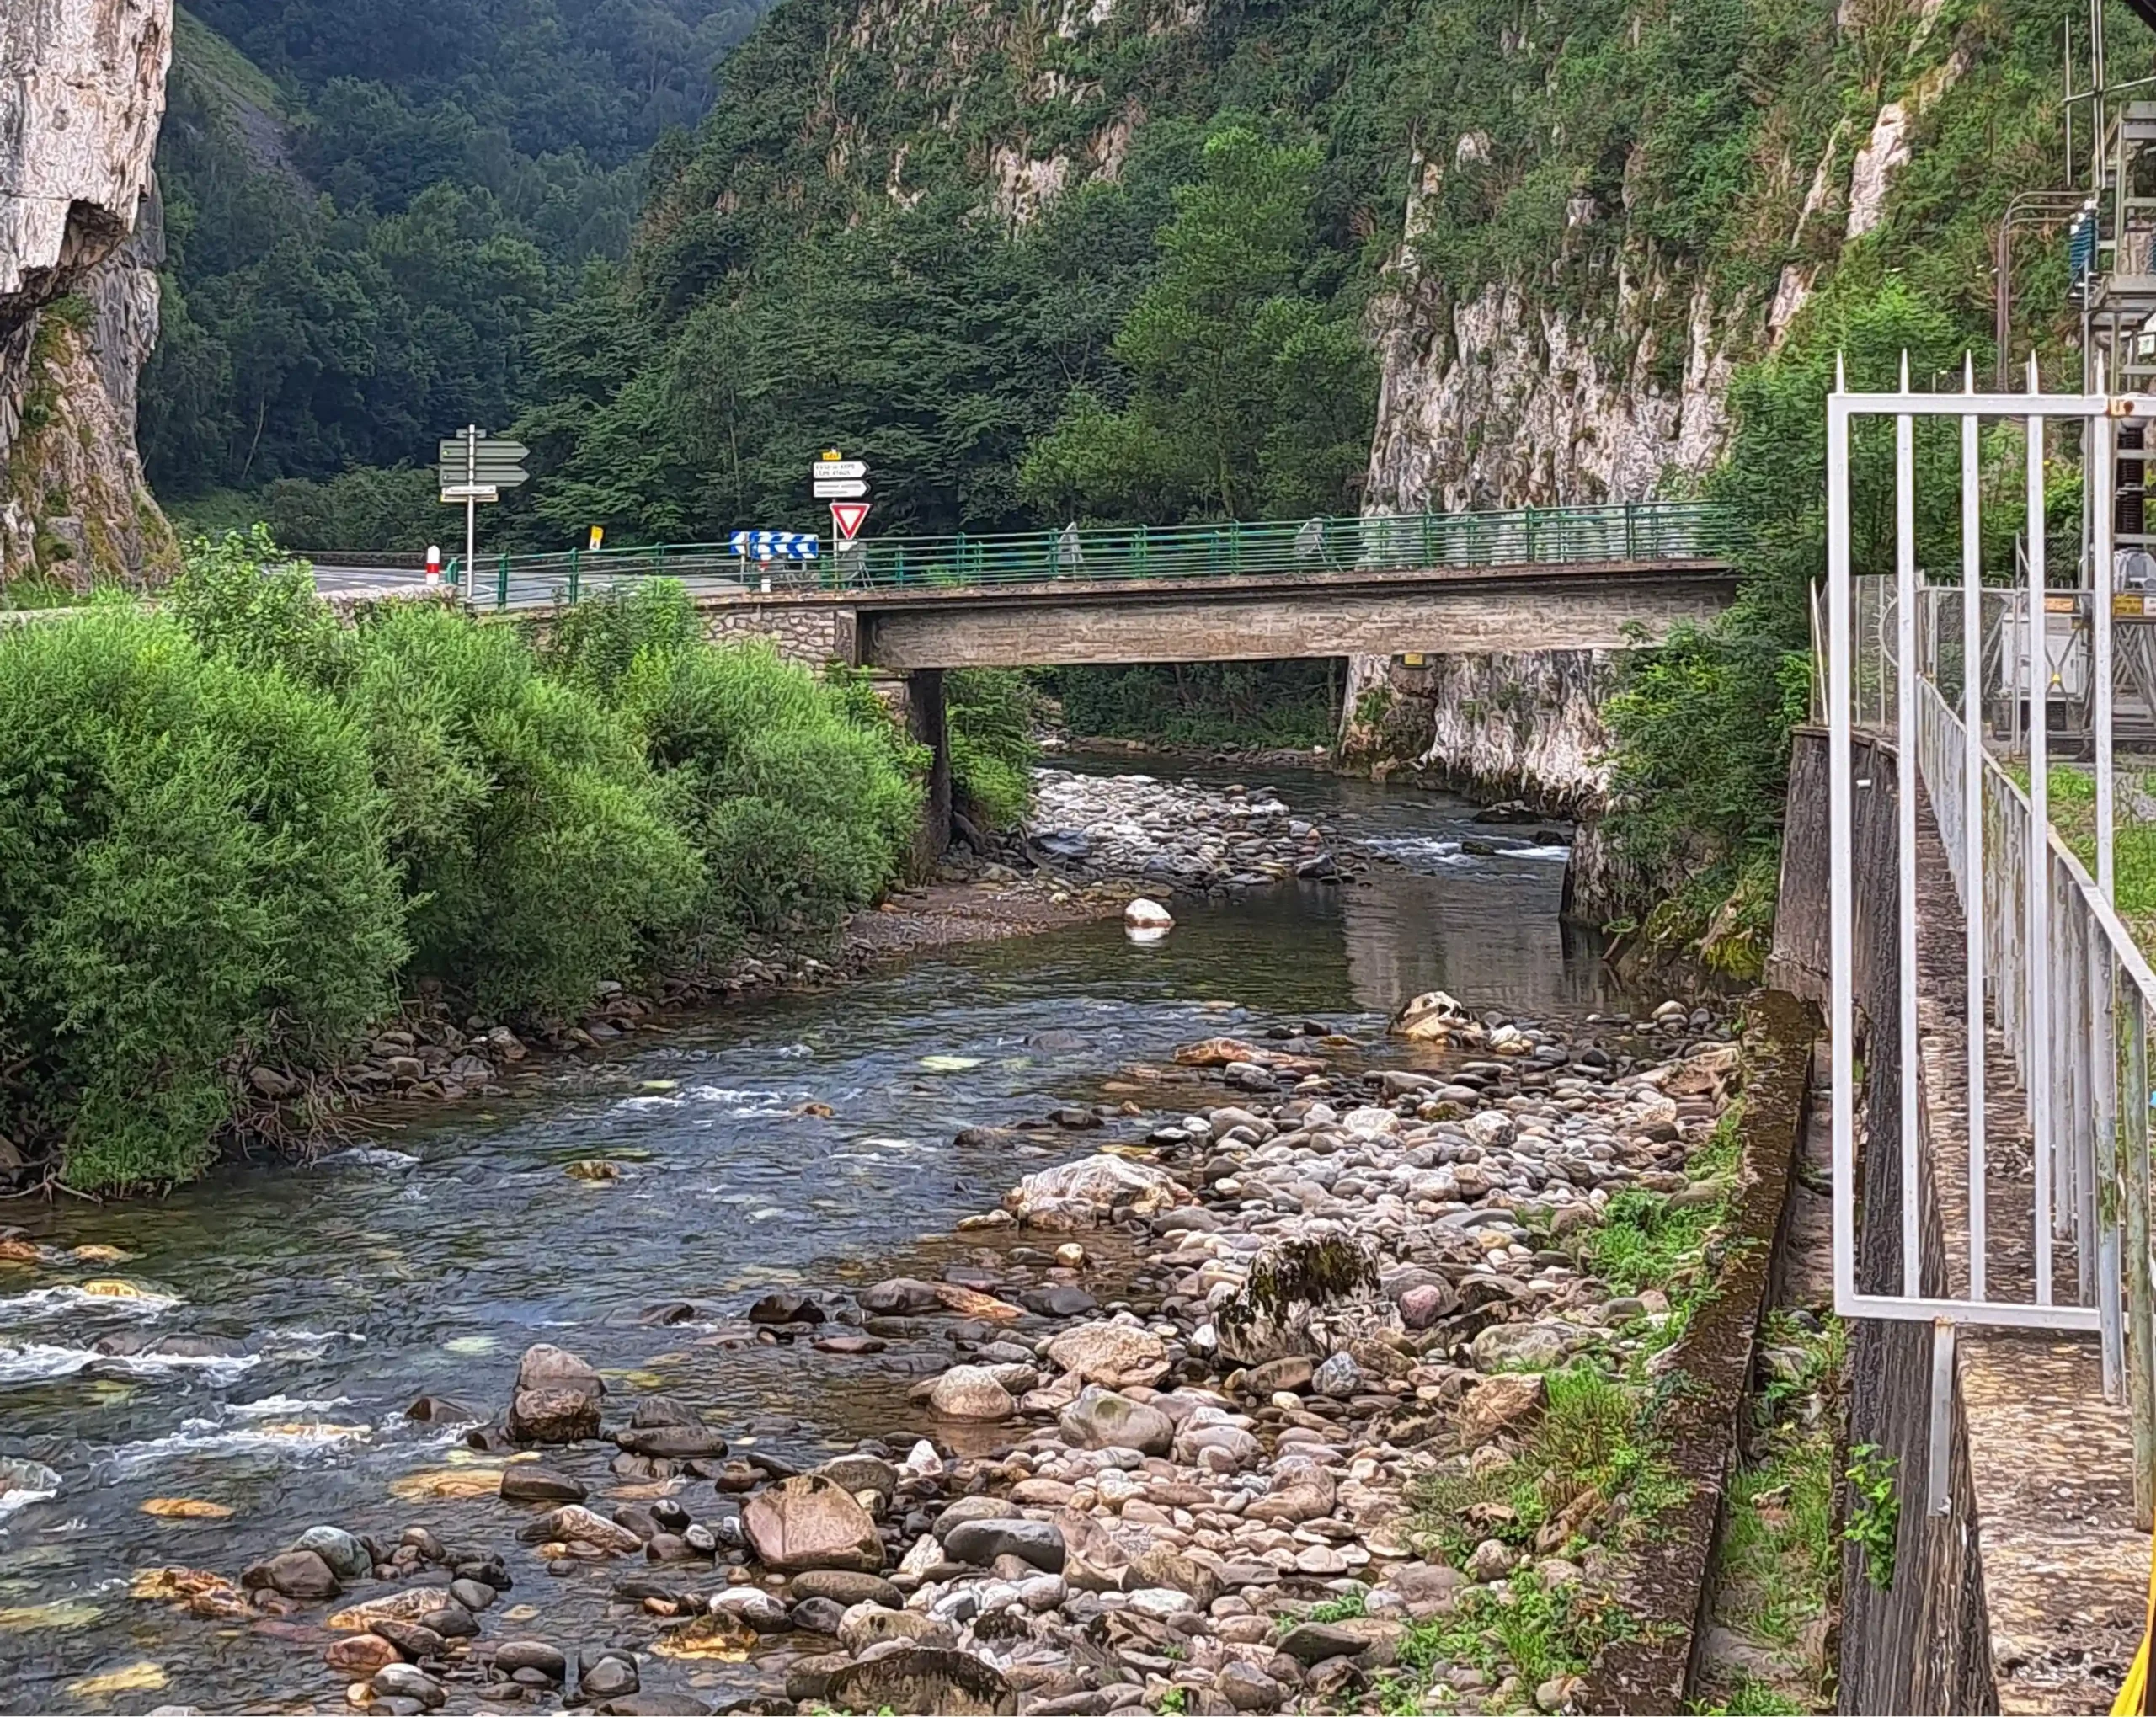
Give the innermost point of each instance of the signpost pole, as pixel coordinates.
(471, 505)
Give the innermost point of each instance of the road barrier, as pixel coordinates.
(1661, 531)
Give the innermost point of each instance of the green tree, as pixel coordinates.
(1247, 397)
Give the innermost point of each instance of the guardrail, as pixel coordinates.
(1639, 531)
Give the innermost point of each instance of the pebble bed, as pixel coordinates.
(1164, 1482)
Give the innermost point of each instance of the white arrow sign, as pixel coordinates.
(839, 467)
(844, 488)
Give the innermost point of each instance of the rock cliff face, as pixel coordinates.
(1501, 726)
(82, 90)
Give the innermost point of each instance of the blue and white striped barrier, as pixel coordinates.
(774, 544)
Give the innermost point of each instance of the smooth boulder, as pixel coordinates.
(811, 1523)
(1118, 1355)
(1080, 1194)
(1100, 1418)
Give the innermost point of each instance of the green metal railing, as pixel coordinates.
(1642, 530)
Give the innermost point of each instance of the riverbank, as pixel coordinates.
(1287, 1392)
(1097, 841)
(1319, 757)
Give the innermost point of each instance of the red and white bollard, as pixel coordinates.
(434, 564)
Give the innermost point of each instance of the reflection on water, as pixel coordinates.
(424, 1262)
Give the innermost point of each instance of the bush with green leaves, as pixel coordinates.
(192, 864)
(534, 838)
(800, 814)
(989, 715)
(801, 793)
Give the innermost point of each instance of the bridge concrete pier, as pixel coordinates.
(928, 724)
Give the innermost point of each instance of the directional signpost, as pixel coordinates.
(475, 469)
(844, 482)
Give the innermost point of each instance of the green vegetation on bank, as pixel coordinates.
(1201, 703)
(230, 831)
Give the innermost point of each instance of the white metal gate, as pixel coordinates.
(2072, 995)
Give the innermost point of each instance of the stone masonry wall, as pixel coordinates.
(811, 636)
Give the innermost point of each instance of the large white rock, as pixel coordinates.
(1076, 1194)
(1118, 1355)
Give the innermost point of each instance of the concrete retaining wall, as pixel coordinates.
(1923, 1644)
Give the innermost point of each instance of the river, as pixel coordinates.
(425, 1263)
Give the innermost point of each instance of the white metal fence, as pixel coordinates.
(2045, 957)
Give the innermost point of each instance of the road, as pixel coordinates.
(527, 590)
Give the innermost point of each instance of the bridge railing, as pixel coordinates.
(1640, 530)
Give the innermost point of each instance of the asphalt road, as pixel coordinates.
(526, 590)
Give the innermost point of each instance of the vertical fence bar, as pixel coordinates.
(501, 582)
(1631, 531)
(2038, 1071)
(1840, 829)
(2101, 472)
(1972, 823)
(2103, 1177)
(2132, 1024)
(1905, 821)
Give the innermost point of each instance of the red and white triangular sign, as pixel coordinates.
(847, 517)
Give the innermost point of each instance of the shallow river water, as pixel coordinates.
(425, 1263)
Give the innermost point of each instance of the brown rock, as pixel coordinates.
(811, 1523)
(360, 1655)
(1510, 1401)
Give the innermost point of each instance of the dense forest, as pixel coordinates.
(369, 210)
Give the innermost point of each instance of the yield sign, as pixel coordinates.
(847, 517)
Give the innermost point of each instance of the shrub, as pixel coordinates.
(243, 599)
(800, 812)
(989, 715)
(532, 835)
(191, 863)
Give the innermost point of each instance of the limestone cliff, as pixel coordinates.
(1501, 726)
(82, 90)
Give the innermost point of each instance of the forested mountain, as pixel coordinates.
(368, 209)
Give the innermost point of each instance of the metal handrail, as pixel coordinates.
(1627, 532)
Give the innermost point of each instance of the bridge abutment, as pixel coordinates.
(926, 722)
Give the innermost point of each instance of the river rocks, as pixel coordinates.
(981, 1542)
(672, 1442)
(923, 1679)
(971, 1392)
(847, 1587)
(1301, 1490)
(1118, 1355)
(1510, 1402)
(1147, 921)
(347, 1557)
(403, 1681)
(534, 1656)
(359, 1656)
(1339, 1377)
(407, 1605)
(556, 1399)
(1079, 1195)
(1434, 1018)
(300, 1575)
(1248, 1688)
(1101, 1419)
(786, 1308)
(868, 1625)
(900, 1297)
(811, 1523)
(610, 1677)
(574, 1523)
(524, 1482)
(1519, 1347)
